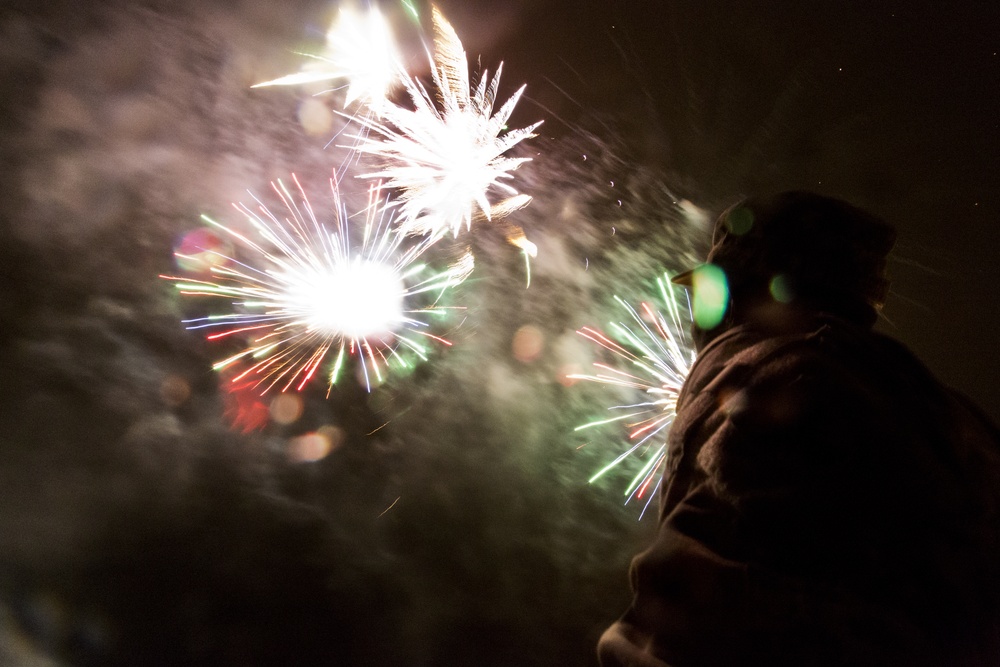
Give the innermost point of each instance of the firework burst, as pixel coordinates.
(302, 293)
(360, 50)
(657, 354)
(447, 156)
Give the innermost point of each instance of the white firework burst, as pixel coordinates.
(447, 156)
(360, 49)
(301, 292)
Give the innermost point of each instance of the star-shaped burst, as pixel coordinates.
(447, 156)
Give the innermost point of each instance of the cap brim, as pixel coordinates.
(684, 278)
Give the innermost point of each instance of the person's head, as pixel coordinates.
(773, 258)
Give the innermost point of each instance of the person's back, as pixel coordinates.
(826, 502)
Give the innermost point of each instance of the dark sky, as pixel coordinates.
(454, 524)
(894, 106)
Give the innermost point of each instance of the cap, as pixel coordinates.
(684, 278)
(821, 247)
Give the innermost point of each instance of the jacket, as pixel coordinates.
(826, 501)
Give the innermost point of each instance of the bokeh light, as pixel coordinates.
(528, 343)
(174, 390)
(315, 117)
(711, 296)
(781, 289)
(201, 249)
(315, 446)
(740, 220)
(286, 408)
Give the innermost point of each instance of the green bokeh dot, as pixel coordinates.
(781, 289)
(711, 296)
(739, 221)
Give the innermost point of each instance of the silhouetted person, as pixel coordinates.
(826, 501)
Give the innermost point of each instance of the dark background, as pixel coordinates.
(893, 106)
(454, 524)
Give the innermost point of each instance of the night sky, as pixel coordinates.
(453, 524)
(895, 107)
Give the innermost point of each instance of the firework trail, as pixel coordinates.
(447, 156)
(360, 49)
(303, 293)
(659, 355)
